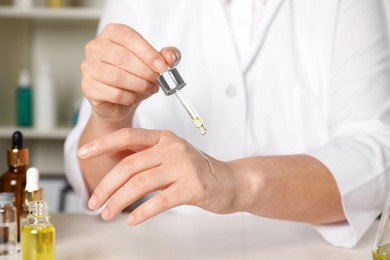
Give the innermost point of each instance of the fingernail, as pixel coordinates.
(92, 202)
(84, 151)
(155, 89)
(159, 65)
(106, 214)
(130, 219)
(173, 57)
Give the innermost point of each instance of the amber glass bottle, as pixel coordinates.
(14, 180)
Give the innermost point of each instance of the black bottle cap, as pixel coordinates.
(17, 155)
(17, 140)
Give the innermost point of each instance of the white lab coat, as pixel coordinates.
(316, 81)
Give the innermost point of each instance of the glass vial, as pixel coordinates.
(8, 224)
(381, 247)
(56, 3)
(38, 235)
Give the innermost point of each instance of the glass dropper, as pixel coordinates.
(196, 119)
(171, 82)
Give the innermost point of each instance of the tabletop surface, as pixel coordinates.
(175, 236)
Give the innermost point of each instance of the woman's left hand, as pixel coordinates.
(161, 161)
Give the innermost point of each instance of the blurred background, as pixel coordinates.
(48, 34)
(45, 39)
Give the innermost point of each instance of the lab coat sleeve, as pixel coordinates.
(358, 155)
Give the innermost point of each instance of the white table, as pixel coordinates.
(176, 236)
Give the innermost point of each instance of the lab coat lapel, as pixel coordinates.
(269, 14)
(225, 32)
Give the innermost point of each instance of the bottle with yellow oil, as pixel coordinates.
(381, 247)
(38, 235)
(56, 3)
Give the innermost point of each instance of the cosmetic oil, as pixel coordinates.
(381, 246)
(38, 235)
(382, 253)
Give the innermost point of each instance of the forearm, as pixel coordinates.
(296, 187)
(95, 169)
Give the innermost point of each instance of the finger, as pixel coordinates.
(140, 185)
(120, 56)
(117, 77)
(132, 40)
(172, 55)
(135, 139)
(121, 174)
(98, 93)
(163, 201)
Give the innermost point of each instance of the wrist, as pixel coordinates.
(115, 122)
(98, 127)
(246, 186)
(109, 124)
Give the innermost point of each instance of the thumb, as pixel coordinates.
(171, 55)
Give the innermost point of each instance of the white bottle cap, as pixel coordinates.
(23, 4)
(32, 179)
(24, 79)
(44, 69)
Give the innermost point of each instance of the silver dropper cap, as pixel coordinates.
(170, 81)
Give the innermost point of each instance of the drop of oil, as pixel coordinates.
(202, 130)
(198, 122)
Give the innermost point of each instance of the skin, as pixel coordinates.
(122, 164)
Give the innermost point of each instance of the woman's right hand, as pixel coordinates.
(120, 70)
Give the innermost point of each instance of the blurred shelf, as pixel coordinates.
(64, 13)
(56, 35)
(36, 134)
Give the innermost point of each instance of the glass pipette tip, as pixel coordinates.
(196, 119)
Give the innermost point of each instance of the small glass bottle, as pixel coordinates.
(56, 3)
(38, 235)
(381, 247)
(14, 180)
(8, 224)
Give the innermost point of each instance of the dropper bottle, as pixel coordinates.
(38, 235)
(171, 82)
(14, 180)
(32, 192)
